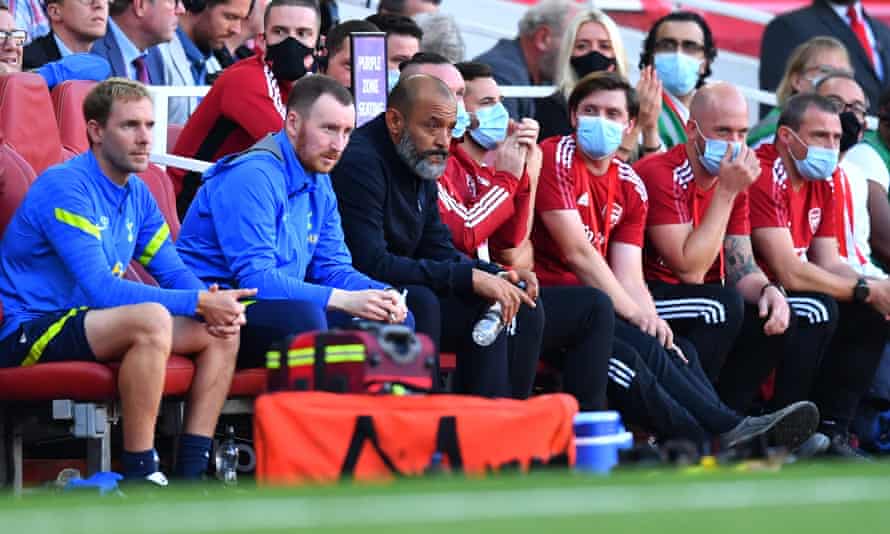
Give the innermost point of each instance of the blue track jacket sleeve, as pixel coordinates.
(156, 252)
(332, 264)
(245, 219)
(78, 242)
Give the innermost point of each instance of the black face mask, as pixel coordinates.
(287, 59)
(851, 128)
(592, 61)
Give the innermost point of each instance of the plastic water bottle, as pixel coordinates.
(227, 458)
(489, 326)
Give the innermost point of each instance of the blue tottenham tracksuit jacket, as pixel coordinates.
(71, 240)
(261, 221)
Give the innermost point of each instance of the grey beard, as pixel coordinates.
(407, 150)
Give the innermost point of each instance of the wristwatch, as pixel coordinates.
(860, 290)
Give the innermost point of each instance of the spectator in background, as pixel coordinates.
(866, 39)
(591, 44)
(189, 58)
(243, 45)
(338, 62)
(387, 194)
(681, 48)
(403, 37)
(810, 62)
(874, 154)
(134, 29)
(407, 8)
(851, 182)
(530, 58)
(247, 101)
(441, 35)
(29, 16)
(11, 45)
(793, 230)
(76, 25)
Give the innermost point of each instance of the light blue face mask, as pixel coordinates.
(463, 120)
(678, 72)
(599, 138)
(392, 78)
(492, 129)
(714, 151)
(818, 164)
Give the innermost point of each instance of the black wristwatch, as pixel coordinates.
(861, 291)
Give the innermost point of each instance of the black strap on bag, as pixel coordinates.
(447, 444)
(364, 431)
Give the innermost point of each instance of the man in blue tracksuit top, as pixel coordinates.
(267, 218)
(62, 262)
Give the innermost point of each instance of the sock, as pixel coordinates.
(139, 464)
(193, 456)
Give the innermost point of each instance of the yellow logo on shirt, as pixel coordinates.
(118, 270)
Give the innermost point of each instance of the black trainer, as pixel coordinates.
(840, 448)
(788, 427)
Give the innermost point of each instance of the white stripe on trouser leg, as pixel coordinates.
(814, 309)
(620, 381)
(711, 310)
(618, 363)
(620, 372)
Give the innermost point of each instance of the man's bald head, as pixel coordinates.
(720, 111)
(420, 114)
(412, 90)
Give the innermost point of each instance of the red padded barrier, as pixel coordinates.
(248, 383)
(82, 381)
(68, 100)
(180, 371)
(27, 121)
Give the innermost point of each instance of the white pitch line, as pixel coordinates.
(276, 512)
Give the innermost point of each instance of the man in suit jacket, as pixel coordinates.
(842, 19)
(75, 27)
(530, 59)
(130, 43)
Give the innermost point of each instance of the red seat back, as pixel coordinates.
(15, 178)
(68, 100)
(162, 189)
(27, 121)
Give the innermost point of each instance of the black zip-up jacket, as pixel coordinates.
(391, 219)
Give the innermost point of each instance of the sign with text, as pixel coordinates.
(368, 75)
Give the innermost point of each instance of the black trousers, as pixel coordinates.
(655, 389)
(795, 355)
(708, 315)
(849, 363)
(577, 339)
(503, 369)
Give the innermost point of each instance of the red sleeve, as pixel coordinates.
(827, 226)
(248, 103)
(555, 184)
(767, 208)
(632, 225)
(513, 231)
(667, 205)
(472, 224)
(739, 223)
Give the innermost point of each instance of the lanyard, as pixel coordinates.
(612, 179)
(696, 219)
(844, 197)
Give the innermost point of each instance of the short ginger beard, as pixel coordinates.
(407, 150)
(315, 164)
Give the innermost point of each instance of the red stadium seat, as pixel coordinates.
(248, 383)
(27, 121)
(68, 100)
(162, 189)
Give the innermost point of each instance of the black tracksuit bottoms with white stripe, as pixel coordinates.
(654, 388)
(850, 360)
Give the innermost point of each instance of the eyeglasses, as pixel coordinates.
(691, 48)
(16, 36)
(858, 108)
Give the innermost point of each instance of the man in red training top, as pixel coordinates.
(247, 101)
(794, 238)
